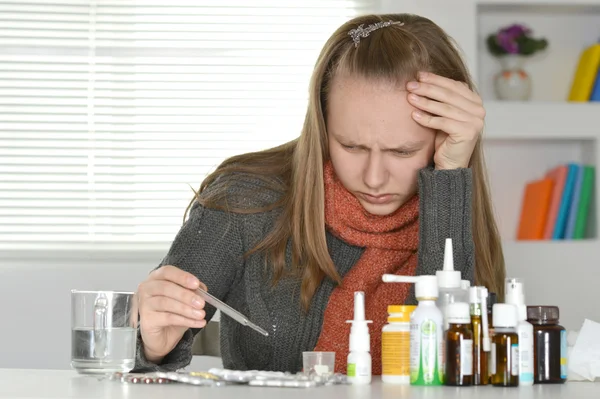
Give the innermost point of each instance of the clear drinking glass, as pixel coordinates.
(103, 331)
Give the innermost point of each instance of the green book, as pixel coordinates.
(587, 186)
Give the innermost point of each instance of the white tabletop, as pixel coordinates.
(43, 384)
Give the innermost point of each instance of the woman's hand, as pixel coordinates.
(454, 111)
(168, 307)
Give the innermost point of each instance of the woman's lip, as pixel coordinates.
(377, 199)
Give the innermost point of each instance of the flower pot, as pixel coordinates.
(512, 83)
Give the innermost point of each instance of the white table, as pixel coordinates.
(44, 384)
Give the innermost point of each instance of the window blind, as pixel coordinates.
(110, 111)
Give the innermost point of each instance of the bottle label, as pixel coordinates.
(351, 370)
(466, 357)
(492, 362)
(563, 354)
(395, 353)
(425, 358)
(525, 356)
(514, 359)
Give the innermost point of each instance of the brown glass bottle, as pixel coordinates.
(480, 358)
(549, 345)
(491, 301)
(505, 346)
(459, 345)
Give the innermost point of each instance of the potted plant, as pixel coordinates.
(512, 45)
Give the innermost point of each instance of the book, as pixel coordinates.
(585, 197)
(534, 209)
(565, 203)
(559, 176)
(572, 217)
(585, 74)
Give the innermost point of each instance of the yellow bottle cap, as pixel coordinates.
(401, 312)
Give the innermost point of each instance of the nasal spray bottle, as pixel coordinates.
(359, 358)
(426, 331)
(516, 296)
(449, 283)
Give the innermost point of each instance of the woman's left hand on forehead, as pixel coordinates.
(454, 111)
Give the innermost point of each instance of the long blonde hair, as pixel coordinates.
(295, 169)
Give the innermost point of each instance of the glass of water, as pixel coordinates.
(103, 331)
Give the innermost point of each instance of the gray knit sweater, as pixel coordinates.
(211, 244)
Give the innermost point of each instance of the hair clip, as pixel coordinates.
(364, 32)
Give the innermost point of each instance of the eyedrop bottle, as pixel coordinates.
(515, 296)
(449, 283)
(359, 358)
(426, 331)
(480, 334)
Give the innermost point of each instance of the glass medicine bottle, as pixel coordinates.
(549, 345)
(505, 346)
(459, 345)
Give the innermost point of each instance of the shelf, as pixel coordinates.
(569, 27)
(539, 2)
(542, 120)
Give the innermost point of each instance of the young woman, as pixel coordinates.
(387, 166)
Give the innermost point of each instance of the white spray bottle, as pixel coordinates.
(359, 358)
(516, 296)
(449, 283)
(426, 331)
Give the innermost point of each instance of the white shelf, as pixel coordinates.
(542, 120)
(540, 2)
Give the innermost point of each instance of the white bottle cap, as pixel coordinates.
(474, 295)
(505, 315)
(458, 313)
(360, 339)
(426, 287)
(448, 277)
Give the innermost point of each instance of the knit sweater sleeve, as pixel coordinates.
(209, 246)
(445, 212)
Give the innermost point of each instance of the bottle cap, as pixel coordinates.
(458, 313)
(543, 314)
(426, 287)
(474, 295)
(448, 277)
(492, 300)
(505, 315)
(400, 313)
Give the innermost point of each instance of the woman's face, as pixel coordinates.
(375, 145)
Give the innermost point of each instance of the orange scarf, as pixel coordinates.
(390, 244)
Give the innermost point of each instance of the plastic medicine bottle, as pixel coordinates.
(395, 345)
(549, 345)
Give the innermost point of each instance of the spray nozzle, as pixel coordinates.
(448, 277)
(359, 308)
(515, 296)
(360, 339)
(426, 287)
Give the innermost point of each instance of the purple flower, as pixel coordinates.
(507, 37)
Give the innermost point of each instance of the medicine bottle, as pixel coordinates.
(491, 301)
(549, 345)
(395, 345)
(505, 346)
(480, 357)
(459, 345)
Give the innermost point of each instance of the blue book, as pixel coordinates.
(595, 96)
(569, 233)
(565, 204)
